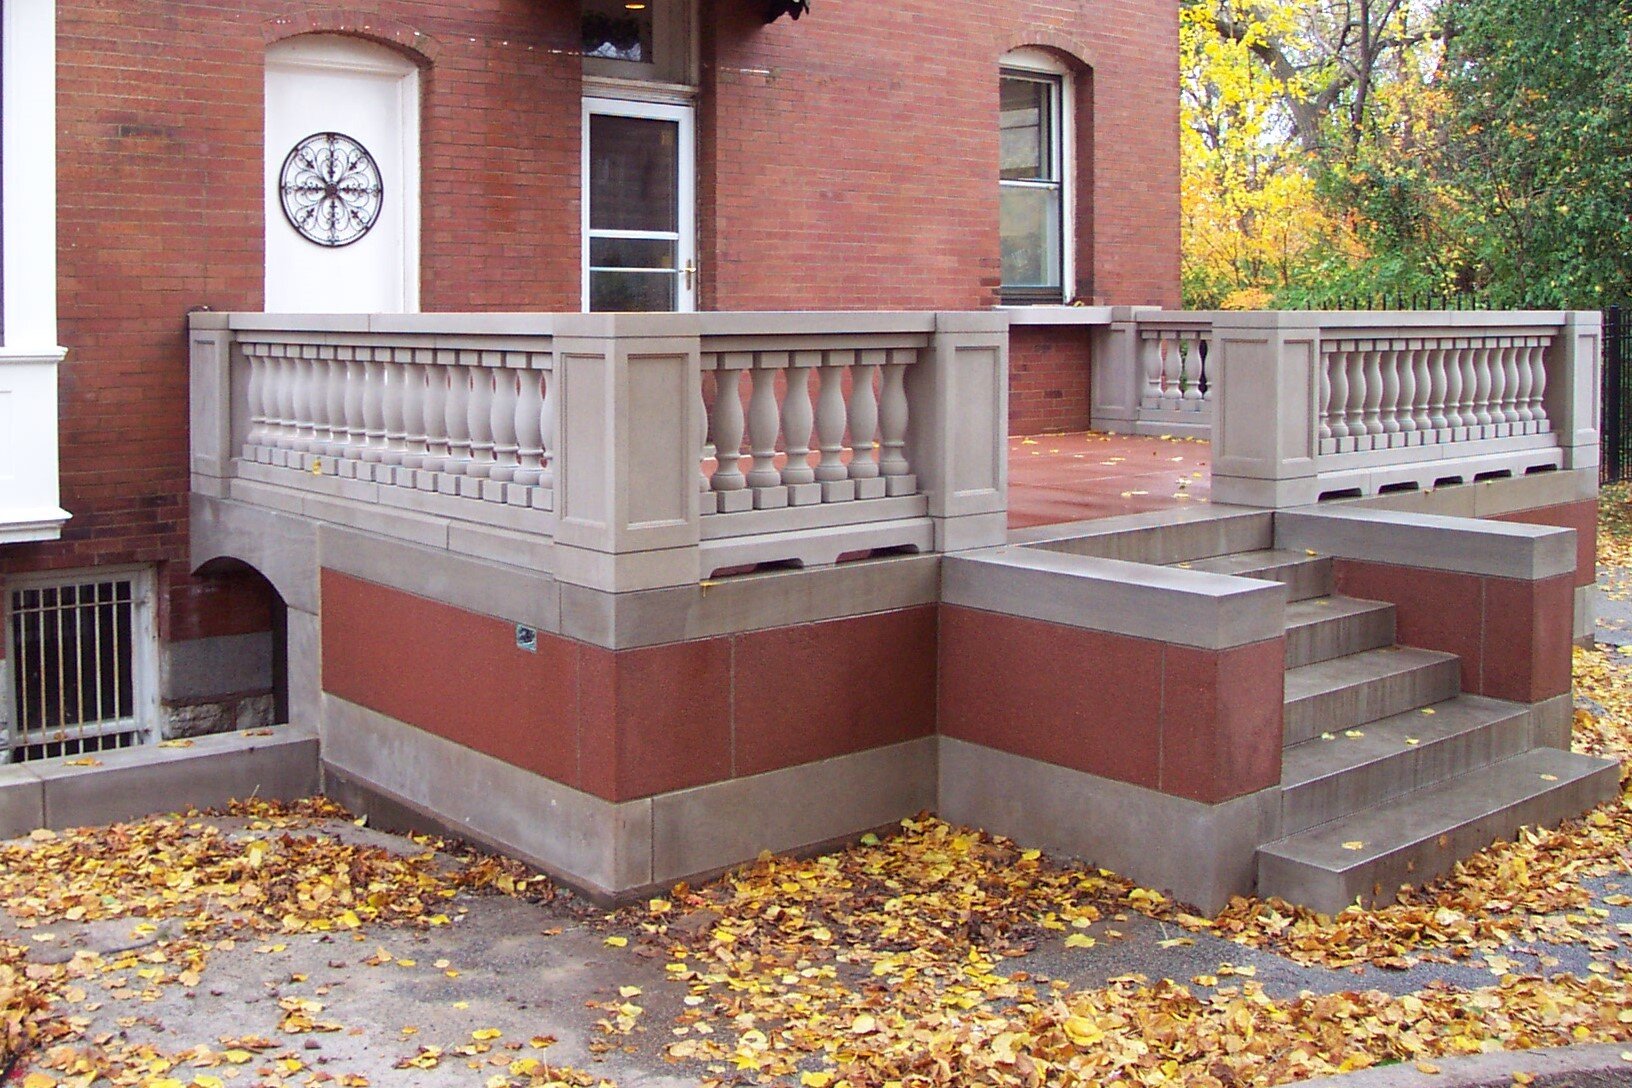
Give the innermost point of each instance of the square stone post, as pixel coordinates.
(217, 435)
(1574, 387)
(1267, 411)
(1117, 385)
(629, 434)
(958, 437)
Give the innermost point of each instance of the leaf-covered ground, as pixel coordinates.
(935, 956)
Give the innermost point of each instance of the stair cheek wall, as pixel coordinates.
(1580, 516)
(1513, 636)
(632, 723)
(1200, 724)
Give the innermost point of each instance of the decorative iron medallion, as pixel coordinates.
(331, 189)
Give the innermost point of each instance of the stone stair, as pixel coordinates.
(1390, 774)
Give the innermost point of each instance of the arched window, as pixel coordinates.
(1035, 183)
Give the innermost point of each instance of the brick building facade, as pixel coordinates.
(843, 161)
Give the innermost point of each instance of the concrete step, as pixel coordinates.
(1321, 628)
(1324, 780)
(1345, 692)
(1422, 835)
(1305, 576)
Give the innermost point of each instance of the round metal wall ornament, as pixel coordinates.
(331, 189)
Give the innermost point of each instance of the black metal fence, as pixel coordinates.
(1615, 431)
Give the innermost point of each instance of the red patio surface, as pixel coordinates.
(1056, 478)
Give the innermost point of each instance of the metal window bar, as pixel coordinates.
(74, 674)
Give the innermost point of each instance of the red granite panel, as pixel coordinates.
(453, 673)
(1080, 699)
(1435, 609)
(1528, 629)
(820, 690)
(1221, 720)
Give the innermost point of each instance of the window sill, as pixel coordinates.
(1055, 313)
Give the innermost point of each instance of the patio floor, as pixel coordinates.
(1056, 478)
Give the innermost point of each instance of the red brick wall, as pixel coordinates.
(851, 158)
(1049, 380)
(847, 161)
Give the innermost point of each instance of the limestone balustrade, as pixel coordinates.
(1317, 405)
(1153, 371)
(631, 451)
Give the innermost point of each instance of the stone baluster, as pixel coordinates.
(1523, 380)
(356, 431)
(1390, 358)
(415, 442)
(1164, 386)
(506, 394)
(727, 425)
(1483, 385)
(1466, 403)
(456, 413)
(864, 421)
(529, 426)
(1438, 391)
(304, 401)
(798, 425)
(1512, 391)
(479, 415)
(334, 406)
(764, 424)
(1325, 442)
(436, 410)
(1405, 405)
(705, 449)
(1500, 393)
(255, 394)
(1538, 387)
(1337, 401)
(1422, 391)
(281, 416)
(375, 377)
(1189, 383)
(546, 432)
(1371, 418)
(393, 412)
(1354, 411)
(892, 423)
(830, 427)
(1153, 353)
(1458, 392)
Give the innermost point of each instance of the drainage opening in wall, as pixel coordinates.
(80, 651)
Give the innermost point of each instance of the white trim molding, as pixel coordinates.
(29, 352)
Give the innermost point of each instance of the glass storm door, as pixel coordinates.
(639, 208)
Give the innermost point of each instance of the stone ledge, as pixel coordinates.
(134, 782)
(1497, 549)
(1161, 604)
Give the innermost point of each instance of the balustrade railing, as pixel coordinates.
(1326, 404)
(468, 422)
(809, 426)
(1173, 357)
(1383, 392)
(651, 449)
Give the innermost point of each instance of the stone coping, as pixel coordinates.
(1161, 604)
(1497, 549)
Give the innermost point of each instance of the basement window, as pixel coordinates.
(80, 652)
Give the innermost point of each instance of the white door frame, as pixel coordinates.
(685, 119)
(336, 52)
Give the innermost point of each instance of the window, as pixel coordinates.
(81, 653)
(1034, 179)
(647, 40)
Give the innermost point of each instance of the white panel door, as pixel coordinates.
(342, 178)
